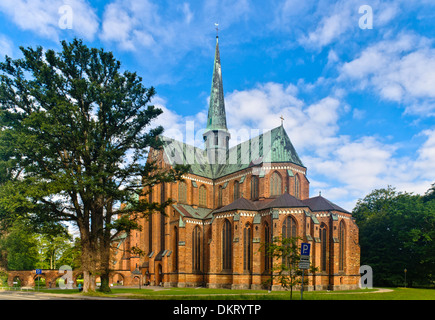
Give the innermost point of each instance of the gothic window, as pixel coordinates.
(163, 193)
(236, 190)
(275, 184)
(182, 192)
(175, 250)
(254, 188)
(289, 228)
(150, 223)
(150, 195)
(226, 246)
(247, 247)
(202, 196)
(162, 231)
(324, 246)
(288, 231)
(297, 187)
(196, 249)
(342, 240)
(220, 203)
(266, 241)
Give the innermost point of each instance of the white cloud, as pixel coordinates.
(310, 127)
(329, 23)
(129, 24)
(187, 13)
(425, 163)
(187, 129)
(42, 17)
(330, 28)
(400, 70)
(6, 46)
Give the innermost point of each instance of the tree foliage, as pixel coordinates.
(20, 247)
(285, 255)
(397, 232)
(75, 134)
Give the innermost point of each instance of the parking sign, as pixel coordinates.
(305, 249)
(38, 271)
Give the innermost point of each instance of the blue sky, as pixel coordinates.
(358, 103)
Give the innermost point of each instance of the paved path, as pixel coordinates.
(35, 295)
(379, 290)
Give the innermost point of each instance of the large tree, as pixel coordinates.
(75, 131)
(397, 232)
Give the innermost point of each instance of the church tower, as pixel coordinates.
(216, 135)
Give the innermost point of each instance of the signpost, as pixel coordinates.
(38, 271)
(304, 263)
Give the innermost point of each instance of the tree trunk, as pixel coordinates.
(105, 287)
(88, 281)
(104, 271)
(105, 262)
(88, 261)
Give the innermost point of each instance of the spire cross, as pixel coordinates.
(282, 119)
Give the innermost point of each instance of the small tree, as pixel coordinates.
(285, 256)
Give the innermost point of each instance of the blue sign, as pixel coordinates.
(305, 249)
(38, 271)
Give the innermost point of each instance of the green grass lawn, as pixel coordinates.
(226, 294)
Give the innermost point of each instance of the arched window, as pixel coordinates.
(162, 231)
(150, 223)
(226, 246)
(254, 188)
(247, 247)
(162, 217)
(297, 187)
(324, 247)
(275, 184)
(288, 231)
(175, 250)
(196, 249)
(163, 193)
(220, 203)
(150, 232)
(342, 241)
(289, 228)
(266, 242)
(236, 190)
(182, 192)
(202, 196)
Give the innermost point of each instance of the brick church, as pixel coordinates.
(233, 201)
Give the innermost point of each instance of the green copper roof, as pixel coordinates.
(216, 119)
(270, 147)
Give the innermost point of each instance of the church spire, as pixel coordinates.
(216, 135)
(216, 119)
